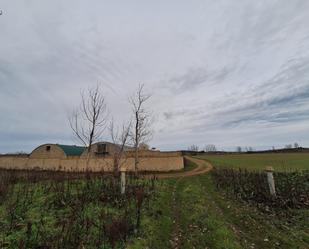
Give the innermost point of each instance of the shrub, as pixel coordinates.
(292, 188)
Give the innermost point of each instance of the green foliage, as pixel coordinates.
(70, 212)
(208, 218)
(279, 161)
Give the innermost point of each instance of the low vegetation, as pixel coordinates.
(192, 213)
(292, 188)
(52, 210)
(228, 208)
(255, 161)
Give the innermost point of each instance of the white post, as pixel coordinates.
(123, 180)
(270, 180)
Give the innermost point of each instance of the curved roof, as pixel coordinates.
(72, 150)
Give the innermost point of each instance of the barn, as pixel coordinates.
(56, 151)
(102, 149)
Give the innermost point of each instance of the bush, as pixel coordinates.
(292, 188)
(60, 210)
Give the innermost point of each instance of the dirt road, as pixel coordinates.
(202, 167)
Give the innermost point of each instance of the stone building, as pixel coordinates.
(104, 149)
(75, 159)
(56, 151)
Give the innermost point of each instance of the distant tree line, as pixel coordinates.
(238, 149)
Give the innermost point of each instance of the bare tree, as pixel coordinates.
(210, 148)
(89, 120)
(193, 147)
(288, 146)
(144, 146)
(296, 145)
(140, 131)
(238, 149)
(120, 138)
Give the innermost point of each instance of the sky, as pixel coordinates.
(229, 73)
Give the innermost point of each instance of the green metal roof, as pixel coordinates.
(72, 150)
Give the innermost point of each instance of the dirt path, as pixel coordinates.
(176, 234)
(202, 167)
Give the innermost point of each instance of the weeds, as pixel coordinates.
(60, 210)
(292, 187)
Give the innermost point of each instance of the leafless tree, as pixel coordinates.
(144, 146)
(238, 149)
(288, 146)
(89, 120)
(296, 145)
(141, 126)
(193, 147)
(120, 137)
(210, 148)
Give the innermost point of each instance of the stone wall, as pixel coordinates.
(160, 161)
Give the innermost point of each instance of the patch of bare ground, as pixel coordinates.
(202, 168)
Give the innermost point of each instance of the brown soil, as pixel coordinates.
(202, 167)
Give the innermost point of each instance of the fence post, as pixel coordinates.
(123, 180)
(270, 179)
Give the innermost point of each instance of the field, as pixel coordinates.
(79, 211)
(279, 161)
(57, 210)
(192, 213)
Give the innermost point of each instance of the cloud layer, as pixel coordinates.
(222, 72)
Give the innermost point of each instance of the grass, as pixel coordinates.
(198, 221)
(279, 161)
(88, 212)
(257, 229)
(207, 218)
(189, 211)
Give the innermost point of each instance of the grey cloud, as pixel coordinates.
(218, 71)
(196, 77)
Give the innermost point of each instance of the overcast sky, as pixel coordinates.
(223, 72)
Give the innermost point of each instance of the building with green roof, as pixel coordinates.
(57, 151)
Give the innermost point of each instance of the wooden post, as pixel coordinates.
(270, 179)
(123, 181)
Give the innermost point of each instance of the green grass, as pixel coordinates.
(157, 221)
(279, 161)
(198, 220)
(189, 165)
(65, 214)
(209, 219)
(191, 208)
